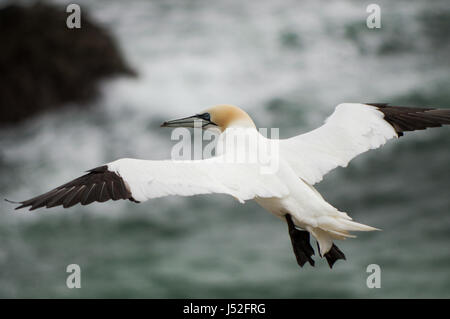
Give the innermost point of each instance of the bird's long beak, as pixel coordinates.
(191, 121)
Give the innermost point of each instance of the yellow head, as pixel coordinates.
(220, 116)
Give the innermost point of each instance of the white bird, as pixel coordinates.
(286, 191)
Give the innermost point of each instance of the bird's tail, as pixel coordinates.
(335, 227)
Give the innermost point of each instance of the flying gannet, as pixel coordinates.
(287, 192)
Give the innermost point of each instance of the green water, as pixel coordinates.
(288, 64)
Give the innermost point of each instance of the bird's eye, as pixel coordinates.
(206, 116)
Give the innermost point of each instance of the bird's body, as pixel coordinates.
(278, 174)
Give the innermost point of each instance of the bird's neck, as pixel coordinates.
(241, 123)
(237, 139)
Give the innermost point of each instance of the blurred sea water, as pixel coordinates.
(288, 64)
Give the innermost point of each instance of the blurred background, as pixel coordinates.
(74, 99)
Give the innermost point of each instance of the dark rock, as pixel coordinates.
(44, 65)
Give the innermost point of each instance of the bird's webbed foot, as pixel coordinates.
(300, 243)
(333, 255)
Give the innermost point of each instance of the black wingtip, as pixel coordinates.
(100, 169)
(377, 104)
(99, 184)
(406, 118)
(11, 201)
(15, 203)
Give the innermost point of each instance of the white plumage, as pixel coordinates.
(351, 130)
(303, 160)
(152, 179)
(287, 191)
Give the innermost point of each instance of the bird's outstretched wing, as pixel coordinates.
(99, 184)
(351, 130)
(140, 180)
